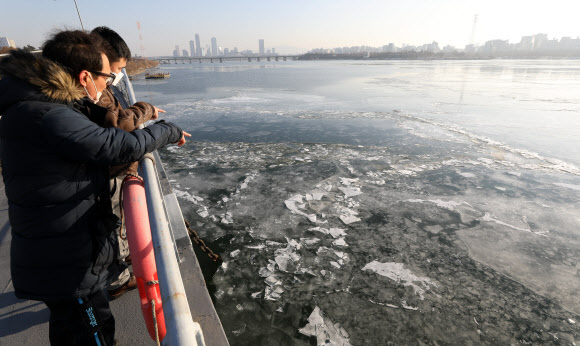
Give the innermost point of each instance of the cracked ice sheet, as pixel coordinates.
(398, 273)
(326, 332)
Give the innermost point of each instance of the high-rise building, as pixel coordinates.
(185, 53)
(274, 51)
(176, 51)
(214, 47)
(198, 51)
(261, 46)
(192, 48)
(5, 42)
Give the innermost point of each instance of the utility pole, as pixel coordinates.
(473, 29)
(141, 43)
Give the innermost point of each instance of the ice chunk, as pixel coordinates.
(398, 273)
(239, 331)
(269, 294)
(339, 242)
(317, 196)
(256, 247)
(312, 218)
(348, 181)
(434, 229)
(348, 219)
(264, 272)
(272, 280)
(336, 232)
(405, 306)
(187, 196)
(466, 174)
(227, 218)
(235, 253)
(293, 243)
(326, 332)
(296, 198)
(350, 191)
(239, 307)
(309, 241)
(335, 264)
(203, 212)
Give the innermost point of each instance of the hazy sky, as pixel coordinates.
(293, 26)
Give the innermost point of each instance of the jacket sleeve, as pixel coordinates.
(77, 138)
(127, 119)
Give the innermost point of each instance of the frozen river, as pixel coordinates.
(372, 202)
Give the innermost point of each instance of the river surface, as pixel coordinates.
(383, 202)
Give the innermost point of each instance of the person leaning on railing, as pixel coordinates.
(120, 114)
(55, 165)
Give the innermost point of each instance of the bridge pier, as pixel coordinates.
(221, 60)
(284, 58)
(258, 59)
(249, 59)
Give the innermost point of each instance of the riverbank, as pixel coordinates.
(138, 66)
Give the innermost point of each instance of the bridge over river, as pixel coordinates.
(221, 59)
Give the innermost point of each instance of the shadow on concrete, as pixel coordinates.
(22, 318)
(4, 231)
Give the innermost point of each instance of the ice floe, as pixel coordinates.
(398, 273)
(348, 219)
(187, 196)
(325, 331)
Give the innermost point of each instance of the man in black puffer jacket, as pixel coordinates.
(55, 165)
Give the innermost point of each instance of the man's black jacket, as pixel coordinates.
(55, 167)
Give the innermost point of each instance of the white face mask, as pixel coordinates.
(118, 77)
(99, 94)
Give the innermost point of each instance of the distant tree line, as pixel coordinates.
(28, 48)
(426, 55)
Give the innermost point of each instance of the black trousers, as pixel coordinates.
(81, 321)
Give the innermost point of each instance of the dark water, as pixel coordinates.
(397, 203)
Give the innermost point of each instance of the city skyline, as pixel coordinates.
(215, 50)
(295, 27)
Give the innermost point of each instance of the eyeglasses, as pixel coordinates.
(110, 77)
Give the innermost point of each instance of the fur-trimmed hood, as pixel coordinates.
(45, 76)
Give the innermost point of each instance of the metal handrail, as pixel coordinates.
(181, 329)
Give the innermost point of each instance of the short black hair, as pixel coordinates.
(115, 48)
(75, 51)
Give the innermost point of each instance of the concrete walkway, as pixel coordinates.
(25, 322)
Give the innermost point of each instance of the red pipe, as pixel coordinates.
(142, 257)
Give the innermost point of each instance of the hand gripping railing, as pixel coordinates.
(181, 329)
